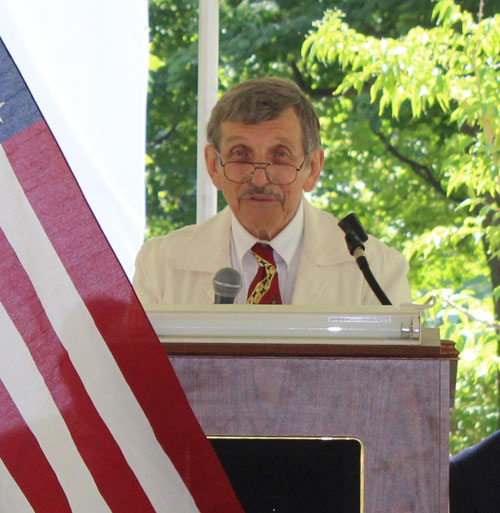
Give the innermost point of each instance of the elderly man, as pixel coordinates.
(264, 151)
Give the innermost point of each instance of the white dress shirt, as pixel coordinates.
(287, 246)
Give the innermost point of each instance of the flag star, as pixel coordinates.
(1, 105)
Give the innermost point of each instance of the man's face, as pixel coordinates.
(264, 209)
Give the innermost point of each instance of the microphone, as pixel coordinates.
(227, 284)
(355, 235)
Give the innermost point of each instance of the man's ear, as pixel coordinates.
(211, 162)
(316, 160)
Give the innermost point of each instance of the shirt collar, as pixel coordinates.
(285, 243)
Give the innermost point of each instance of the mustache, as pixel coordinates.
(267, 190)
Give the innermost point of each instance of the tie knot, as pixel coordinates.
(264, 252)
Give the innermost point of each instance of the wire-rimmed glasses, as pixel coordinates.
(242, 172)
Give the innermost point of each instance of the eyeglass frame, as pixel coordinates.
(260, 165)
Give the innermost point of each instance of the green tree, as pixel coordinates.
(394, 171)
(257, 38)
(431, 102)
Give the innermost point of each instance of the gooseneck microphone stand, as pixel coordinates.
(355, 235)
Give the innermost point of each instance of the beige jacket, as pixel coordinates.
(178, 268)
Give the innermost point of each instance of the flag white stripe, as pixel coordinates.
(37, 407)
(88, 352)
(11, 495)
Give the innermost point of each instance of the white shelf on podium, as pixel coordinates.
(387, 325)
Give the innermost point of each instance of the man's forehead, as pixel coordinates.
(285, 129)
(245, 140)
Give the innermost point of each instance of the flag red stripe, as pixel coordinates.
(114, 478)
(26, 462)
(86, 255)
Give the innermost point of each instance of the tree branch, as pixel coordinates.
(317, 93)
(422, 171)
(159, 141)
(471, 316)
(480, 14)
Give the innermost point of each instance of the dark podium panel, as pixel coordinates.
(394, 399)
(294, 475)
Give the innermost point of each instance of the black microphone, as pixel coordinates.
(227, 284)
(355, 235)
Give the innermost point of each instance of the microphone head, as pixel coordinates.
(227, 284)
(351, 223)
(355, 234)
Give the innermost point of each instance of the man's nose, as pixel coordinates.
(259, 178)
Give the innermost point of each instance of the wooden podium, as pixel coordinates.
(394, 399)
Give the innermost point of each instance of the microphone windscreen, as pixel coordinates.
(227, 282)
(351, 223)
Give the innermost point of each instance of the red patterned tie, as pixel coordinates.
(264, 288)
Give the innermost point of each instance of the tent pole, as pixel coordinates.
(208, 65)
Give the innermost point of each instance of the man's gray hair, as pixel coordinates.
(265, 99)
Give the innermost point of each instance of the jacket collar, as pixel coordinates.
(207, 247)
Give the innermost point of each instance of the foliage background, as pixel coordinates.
(394, 171)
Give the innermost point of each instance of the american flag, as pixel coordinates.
(92, 417)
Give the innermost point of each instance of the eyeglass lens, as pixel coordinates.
(278, 174)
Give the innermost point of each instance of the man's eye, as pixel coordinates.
(238, 158)
(282, 155)
(239, 154)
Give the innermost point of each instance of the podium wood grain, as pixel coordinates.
(397, 407)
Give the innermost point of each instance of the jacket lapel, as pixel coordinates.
(207, 249)
(324, 248)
